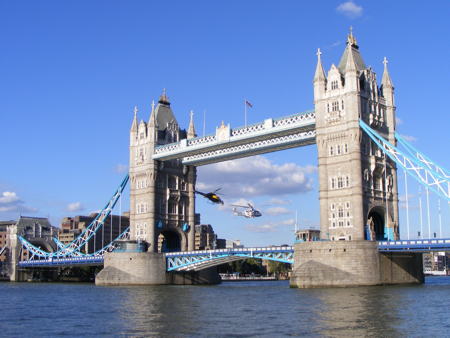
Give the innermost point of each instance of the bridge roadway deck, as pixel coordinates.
(194, 260)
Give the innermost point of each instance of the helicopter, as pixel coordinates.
(248, 212)
(212, 196)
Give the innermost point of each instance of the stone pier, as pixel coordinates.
(148, 268)
(352, 263)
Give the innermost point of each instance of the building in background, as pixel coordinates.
(205, 238)
(436, 263)
(72, 227)
(3, 240)
(36, 230)
(221, 243)
(307, 235)
(233, 244)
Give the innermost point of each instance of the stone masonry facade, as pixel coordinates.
(358, 184)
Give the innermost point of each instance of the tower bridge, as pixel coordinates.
(353, 127)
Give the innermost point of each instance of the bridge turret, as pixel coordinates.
(320, 79)
(387, 91)
(191, 130)
(134, 123)
(152, 127)
(351, 71)
(134, 128)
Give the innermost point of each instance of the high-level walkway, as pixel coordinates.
(227, 144)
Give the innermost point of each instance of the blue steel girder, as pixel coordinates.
(423, 158)
(66, 261)
(108, 248)
(199, 260)
(87, 233)
(269, 135)
(412, 166)
(77, 257)
(415, 245)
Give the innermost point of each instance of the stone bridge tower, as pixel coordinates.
(162, 200)
(358, 184)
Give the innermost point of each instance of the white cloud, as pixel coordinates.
(289, 221)
(350, 9)
(255, 176)
(270, 226)
(412, 201)
(75, 206)
(10, 202)
(8, 197)
(278, 201)
(230, 205)
(121, 168)
(275, 211)
(398, 120)
(335, 44)
(409, 138)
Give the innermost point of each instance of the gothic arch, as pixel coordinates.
(376, 222)
(171, 239)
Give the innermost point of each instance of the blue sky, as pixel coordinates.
(71, 73)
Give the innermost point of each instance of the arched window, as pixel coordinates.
(347, 181)
(331, 150)
(172, 207)
(340, 182)
(333, 183)
(172, 183)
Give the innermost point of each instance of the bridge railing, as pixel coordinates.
(415, 245)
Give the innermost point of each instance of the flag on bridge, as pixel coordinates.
(247, 103)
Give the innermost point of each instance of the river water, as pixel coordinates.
(231, 309)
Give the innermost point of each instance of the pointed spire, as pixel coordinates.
(134, 124)
(386, 80)
(152, 120)
(320, 74)
(163, 99)
(191, 131)
(350, 65)
(351, 40)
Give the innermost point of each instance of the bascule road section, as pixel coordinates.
(227, 143)
(204, 259)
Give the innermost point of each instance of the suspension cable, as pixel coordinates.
(428, 212)
(386, 196)
(407, 204)
(440, 218)
(421, 213)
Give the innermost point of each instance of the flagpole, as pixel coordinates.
(204, 122)
(245, 112)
